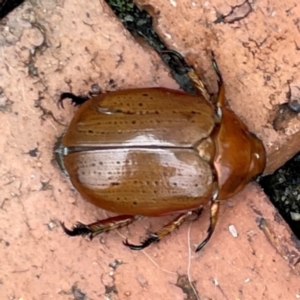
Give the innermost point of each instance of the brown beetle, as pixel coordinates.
(156, 151)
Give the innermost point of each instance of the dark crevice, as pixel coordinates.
(283, 189)
(6, 6)
(139, 23)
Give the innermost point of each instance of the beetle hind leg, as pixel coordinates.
(166, 230)
(75, 100)
(214, 213)
(93, 229)
(80, 99)
(77, 229)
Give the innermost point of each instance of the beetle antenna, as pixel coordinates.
(217, 70)
(182, 67)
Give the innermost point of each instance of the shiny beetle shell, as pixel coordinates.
(140, 152)
(135, 151)
(156, 151)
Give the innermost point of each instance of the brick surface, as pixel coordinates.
(68, 45)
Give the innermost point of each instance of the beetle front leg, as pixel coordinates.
(214, 213)
(167, 229)
(93, 229)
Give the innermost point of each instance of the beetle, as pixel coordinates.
(155, 151)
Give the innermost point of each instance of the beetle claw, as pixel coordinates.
(75, 100)
(153, 238)
(214, 213)
(197, 213)
(77, 229)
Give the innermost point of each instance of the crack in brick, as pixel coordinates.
(237, 13)
(46, 112)
(186, 286)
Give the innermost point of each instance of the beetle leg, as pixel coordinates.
(78, 100)
(214, 213)
(93, 229)
(75, 100)
(167, 229)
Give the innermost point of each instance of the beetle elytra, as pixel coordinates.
(156, 151)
